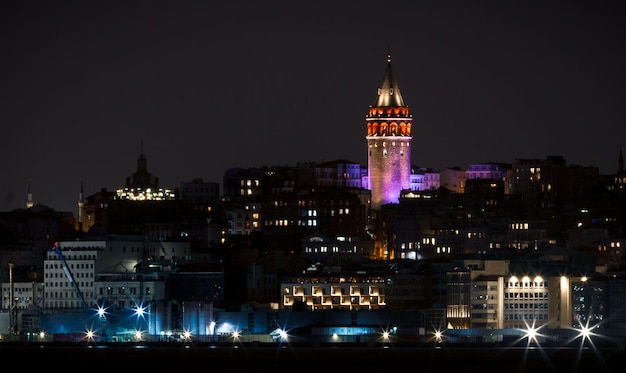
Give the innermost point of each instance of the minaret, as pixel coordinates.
(81, 207)
(620, 177)
(29, 198)
(388, 143)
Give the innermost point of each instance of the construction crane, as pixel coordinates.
(12, 308)
(68, 273)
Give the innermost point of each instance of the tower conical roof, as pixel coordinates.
(389, 92)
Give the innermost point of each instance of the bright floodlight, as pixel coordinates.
(140, 310)
(531, 334)
(138, 335)
(585, 332)
(283, 334)
(438, 336)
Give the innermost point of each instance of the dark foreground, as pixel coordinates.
(195, 358)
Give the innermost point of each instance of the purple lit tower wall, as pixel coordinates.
(389, 143)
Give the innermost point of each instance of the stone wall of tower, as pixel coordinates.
(389, 168)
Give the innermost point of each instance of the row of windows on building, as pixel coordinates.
(108, 290)
(525, 295)
(525, 306)
(334, 249)
(68, 304)
(526, 316)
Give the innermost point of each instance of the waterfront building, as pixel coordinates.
(616, 322)
(349, 291)
(69, 275)
(22, 301)
(546, 292)
(122, 275)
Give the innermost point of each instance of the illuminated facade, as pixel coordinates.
(526, 302)
(424, 179)
(138, 194)
(484, 294)
(389, 143)
(334, 293)
(81, 261)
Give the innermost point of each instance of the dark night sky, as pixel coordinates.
(210, 85)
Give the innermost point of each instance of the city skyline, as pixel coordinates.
(206, 87)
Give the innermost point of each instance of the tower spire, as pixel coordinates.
(389, 91)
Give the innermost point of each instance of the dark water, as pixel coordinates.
(194, 358)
